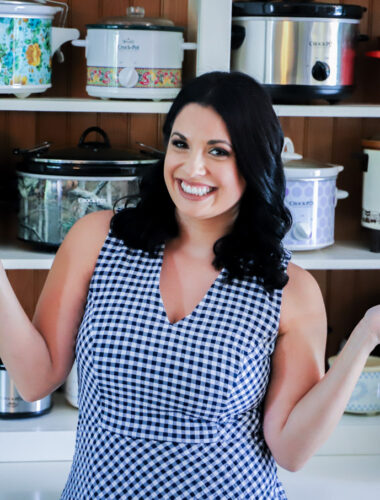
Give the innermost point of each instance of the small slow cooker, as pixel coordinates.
(371, 191)
(299, 50)
(311, 196)
(134, 57)
(58, 187)
(27, 44)
(12, 405)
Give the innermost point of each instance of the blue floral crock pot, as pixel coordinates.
(27, 43)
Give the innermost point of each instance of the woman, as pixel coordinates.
(200, 348)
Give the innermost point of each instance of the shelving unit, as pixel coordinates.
(52, 436)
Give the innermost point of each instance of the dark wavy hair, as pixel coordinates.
(254, 244)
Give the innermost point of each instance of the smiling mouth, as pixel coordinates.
(194, 192)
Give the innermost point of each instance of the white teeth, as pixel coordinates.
(199, 191)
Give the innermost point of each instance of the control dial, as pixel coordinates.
(320, 71)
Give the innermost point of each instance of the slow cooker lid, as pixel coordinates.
(27, 7)
(136, 20)
(290, 8)
(305, 169)
(88, 158)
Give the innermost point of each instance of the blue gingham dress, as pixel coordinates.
(172, 411)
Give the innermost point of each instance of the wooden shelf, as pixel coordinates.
(341, 255)
(92, 105)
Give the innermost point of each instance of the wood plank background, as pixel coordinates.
(347, 293)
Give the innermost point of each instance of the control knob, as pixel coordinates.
(320, 71)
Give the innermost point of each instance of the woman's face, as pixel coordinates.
(200, 167)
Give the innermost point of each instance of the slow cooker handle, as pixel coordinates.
(237, 36)
(97, 144)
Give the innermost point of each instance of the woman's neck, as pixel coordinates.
(197, 236)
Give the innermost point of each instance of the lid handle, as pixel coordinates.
(94, 144)
(138, 12)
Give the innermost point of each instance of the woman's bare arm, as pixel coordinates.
(303, 405)
(39, 355)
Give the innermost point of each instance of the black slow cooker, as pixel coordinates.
(58, 187)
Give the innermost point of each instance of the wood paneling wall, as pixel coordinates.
(347, 293)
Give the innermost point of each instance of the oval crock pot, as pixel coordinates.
(58, 187)
(27, 43)
(12, 405)
(134, 57)
(298, 50)
(311, 196)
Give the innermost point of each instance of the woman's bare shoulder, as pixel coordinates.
(301, 297)
(86, 238)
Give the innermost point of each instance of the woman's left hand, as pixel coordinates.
(371, 322)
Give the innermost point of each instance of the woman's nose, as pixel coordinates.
(195, 165)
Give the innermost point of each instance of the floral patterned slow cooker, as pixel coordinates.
(27, 43)
(311, 196)
(134, 57)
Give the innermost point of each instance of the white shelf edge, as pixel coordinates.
(341, 255)
(76, 105)
(52, 436)
(334, 111)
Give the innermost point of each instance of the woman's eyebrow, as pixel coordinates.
(211, 142)
(179, 135)
(216, 141)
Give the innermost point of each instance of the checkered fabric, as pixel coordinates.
(172, 411)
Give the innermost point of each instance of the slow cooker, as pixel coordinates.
(371, 188)
(134, 57)
(311, 196)
(299, 50)
(27, 44)
(12, 405)
(58, 187)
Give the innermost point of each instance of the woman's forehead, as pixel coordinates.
(197, 120)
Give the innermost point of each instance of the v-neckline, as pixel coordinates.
(200, 303)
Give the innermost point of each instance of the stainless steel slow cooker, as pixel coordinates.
(134, 57)
(299, 50)
(12, 405)
(58, 187)
(311, 196)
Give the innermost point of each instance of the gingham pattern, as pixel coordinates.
(172, 411)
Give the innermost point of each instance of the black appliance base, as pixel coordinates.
(39, 245)
(29, 414)
(374, 240)
(303, 94)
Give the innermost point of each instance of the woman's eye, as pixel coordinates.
(219, 152)
(179, 144)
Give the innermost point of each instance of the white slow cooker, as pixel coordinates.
(371, 189)
(134, 57)
(311, 196)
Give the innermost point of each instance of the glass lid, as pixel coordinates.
(135, 19)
